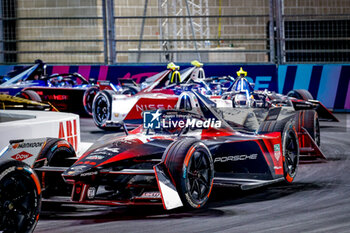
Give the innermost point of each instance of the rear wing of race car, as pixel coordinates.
(322, 111)
(309, 150)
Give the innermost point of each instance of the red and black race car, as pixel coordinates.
(174, 159)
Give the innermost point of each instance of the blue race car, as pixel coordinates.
(69, 92)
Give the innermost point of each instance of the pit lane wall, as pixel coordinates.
(328, 83)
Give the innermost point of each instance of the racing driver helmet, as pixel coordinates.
(241, 100)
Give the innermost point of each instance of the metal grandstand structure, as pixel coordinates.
(181, 32)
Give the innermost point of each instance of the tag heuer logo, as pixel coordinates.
(22, 156)
(151, 119)
(276, 147)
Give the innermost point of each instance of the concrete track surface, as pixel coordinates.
(318, 201)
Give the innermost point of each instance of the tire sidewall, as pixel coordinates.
(108, 99)
(289, 128)
(29, 94)
(178, 161)
(88, 94)
(9, 167)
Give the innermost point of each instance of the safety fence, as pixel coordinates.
(128, 31)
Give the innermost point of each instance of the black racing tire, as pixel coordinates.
(301, 94)
(308, 119)
(191, 166)
(88, 98)
(290, 144)
(20, 197)
(290, 149)
(129, 90)
(102, 108)
(56, 152)
(29, 95)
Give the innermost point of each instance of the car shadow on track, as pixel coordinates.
(221, 197)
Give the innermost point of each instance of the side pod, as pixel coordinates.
(167, 189)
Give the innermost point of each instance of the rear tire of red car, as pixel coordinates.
(88, 99)
(301, 94)
(191, 166)
(308, 119)
(20, 197)
(29, 95)
(290, 144)
(57, 153)
(290, 149)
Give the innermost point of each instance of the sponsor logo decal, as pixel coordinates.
(56, 97)
(277, 151)
(89, 174)
(68, 131)
(27, 145)
(234, 158)
(144, 107)
(91, 193)
(151, 195)
(95, 157)
(22, 156)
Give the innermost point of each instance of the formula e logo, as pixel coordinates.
(22, 156)
(151, 119)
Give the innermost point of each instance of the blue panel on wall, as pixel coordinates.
(302, 77)
(328, 84)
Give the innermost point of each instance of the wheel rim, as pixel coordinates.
(101, 110)
(199, 175)
(291, 154)
(17, 202)
(89, 100)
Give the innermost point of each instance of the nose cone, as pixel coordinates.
(77, 171)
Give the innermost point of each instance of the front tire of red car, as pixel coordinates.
(191, 165)
(308, 119)
(20, 197)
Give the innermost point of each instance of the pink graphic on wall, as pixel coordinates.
(138, 77)
(347, 101)
(103, 73)
(85, 72)
(60, 69)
